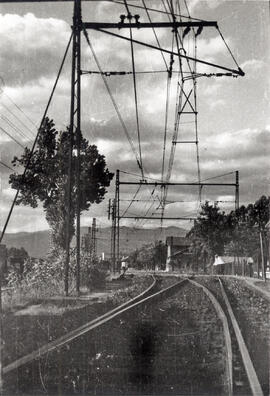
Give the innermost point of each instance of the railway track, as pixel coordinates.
(236, 356)
(243, 378)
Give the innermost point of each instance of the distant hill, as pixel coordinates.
(37, 243)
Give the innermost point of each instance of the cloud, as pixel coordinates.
(252, 65)
(30, 46)
(212, 4)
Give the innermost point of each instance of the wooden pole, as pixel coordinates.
(262, 256)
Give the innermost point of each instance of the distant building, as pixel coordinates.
(233, 265)
(177, 253)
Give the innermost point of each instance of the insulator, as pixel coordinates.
(122, 18)
(200, 28)
(186, 31)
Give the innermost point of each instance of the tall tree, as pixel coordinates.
(46, 179)
(210, 233)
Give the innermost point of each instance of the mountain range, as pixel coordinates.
(37, 243)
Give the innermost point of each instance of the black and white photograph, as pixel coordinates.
(134, 198)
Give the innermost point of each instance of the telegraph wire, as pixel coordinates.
(14, 115)
(15, 128)
(11, 137)
(5, 165)
(37, 135)
(19, 108)
(17, 118)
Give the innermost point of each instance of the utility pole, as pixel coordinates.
(94, 239)
(236, 190)
(3, 266)
(113, 233)
(118, 214)
(262, 255)
(115, 212)
(75, 109)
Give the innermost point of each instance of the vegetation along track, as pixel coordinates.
(172, 341)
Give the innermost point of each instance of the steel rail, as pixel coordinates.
(79, 331)
(249, 367)
(227, 337)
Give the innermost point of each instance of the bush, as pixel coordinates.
(96, 277)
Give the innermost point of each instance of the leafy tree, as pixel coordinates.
(233, 234)
(148, 256)
(17, 253)
(211, 231)
(47, 175)
(249, 221)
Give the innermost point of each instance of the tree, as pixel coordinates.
(233, 234)
(46, 179)
(149, 256)
(249, 230)
(210, 233)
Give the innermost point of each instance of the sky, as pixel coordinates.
(233, 113)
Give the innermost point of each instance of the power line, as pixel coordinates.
(18, 119)
(133, 200)
(11, 137)
(135, 91)
(38, 132)
(5, 165)
(137, 175)
(15, 128)
(19, 108)
(112, 99)
(156, 37)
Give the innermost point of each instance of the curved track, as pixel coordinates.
(246, 359)
(54, 345)
(150, 295)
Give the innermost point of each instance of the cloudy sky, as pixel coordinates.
(233, 113)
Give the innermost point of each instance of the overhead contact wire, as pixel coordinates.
(132, 200)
